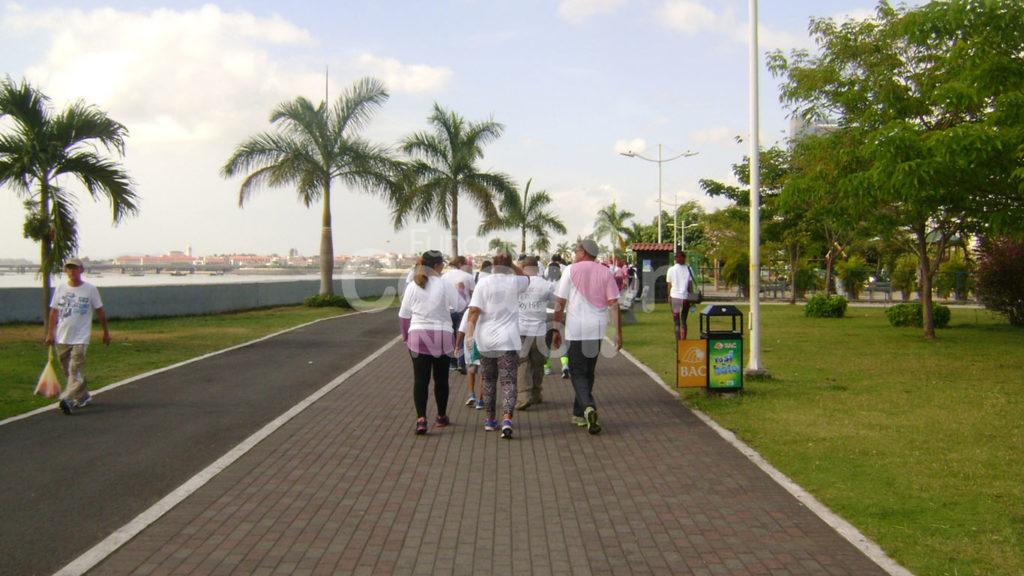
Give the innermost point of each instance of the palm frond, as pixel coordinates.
(26, 106)
(80, 124)
(357, 104)
(102, 177)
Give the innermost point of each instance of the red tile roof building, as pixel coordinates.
(652, 247)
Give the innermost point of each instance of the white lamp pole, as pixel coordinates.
(659, 161)
(754, 366)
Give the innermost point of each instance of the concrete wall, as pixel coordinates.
(24, 304)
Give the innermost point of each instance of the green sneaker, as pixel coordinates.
(590, 414)
(579, 421)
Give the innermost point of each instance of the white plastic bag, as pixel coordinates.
(49, 385)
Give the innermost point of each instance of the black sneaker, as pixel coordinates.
(565, 373)
(65, 407)
(506, 429)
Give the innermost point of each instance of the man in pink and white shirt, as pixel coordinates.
(587, 293)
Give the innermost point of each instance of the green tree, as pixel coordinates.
(444, 167)
(527, 214)
(611, 223)
(311, 147)
(782, 224)
(639, 232)
(928, 107)
(40, 150)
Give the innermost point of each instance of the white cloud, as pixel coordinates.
(193, 75)
(718, 135)
(694, 17)
(858, 14)
(636, 146)
(688, 16)
(401, 77)
(576, 11)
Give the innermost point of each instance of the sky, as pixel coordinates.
(574, 82)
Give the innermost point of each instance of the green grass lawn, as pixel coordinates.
(138, 346)
(917, 443)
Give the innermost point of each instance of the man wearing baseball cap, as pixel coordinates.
(69, 328)
(585, 295)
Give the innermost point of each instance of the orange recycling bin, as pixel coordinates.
(691, 363)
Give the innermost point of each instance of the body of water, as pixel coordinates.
(31, 280)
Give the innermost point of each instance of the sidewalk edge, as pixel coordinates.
(53, 406)
(122, 535)
(836, 522)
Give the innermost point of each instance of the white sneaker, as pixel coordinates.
(85, 400)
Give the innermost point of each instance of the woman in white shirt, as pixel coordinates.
(680, 291)
(427, 331)
(493, 325)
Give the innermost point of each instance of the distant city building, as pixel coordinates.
(799, 127)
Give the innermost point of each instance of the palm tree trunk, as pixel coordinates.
(455, 222)
(522, 249)
(326, 246)
(44, 255)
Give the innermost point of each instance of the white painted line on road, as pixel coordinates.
(844, 528)
(109, 387)
(97, 553)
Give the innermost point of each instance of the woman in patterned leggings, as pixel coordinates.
(493, 324)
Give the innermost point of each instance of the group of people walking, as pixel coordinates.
(495, 325)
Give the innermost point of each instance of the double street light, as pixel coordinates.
(659, 161)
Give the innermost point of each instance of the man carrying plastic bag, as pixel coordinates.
(49, 385)
(70, 324)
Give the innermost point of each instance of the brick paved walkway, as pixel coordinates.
(345, 487)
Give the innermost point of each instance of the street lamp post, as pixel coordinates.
(754, 366)
(659, 162)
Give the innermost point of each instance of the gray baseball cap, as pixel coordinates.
(589, 246)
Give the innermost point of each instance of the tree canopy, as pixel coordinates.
(927, 112)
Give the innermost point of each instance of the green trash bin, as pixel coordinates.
(724, 347)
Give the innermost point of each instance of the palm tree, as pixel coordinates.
(526, 214)
(541, 244)
(311, 147)
(565, 249)
(638, 232)
(611, 223)
(39, 149)
(498, 245)
(444, 167)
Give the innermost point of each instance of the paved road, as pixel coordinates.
(346, 488)
(68, 482)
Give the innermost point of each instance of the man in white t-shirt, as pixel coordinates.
(587, 293)
(533, 327)
(680, 292)
(69, 327)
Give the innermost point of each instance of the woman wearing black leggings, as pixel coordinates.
(427, 331)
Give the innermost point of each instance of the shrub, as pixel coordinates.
(954, 277)
(904, 275)
(326, 300)
(819, 306)
(1000, 279)
(912, 314)
(854, 273)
